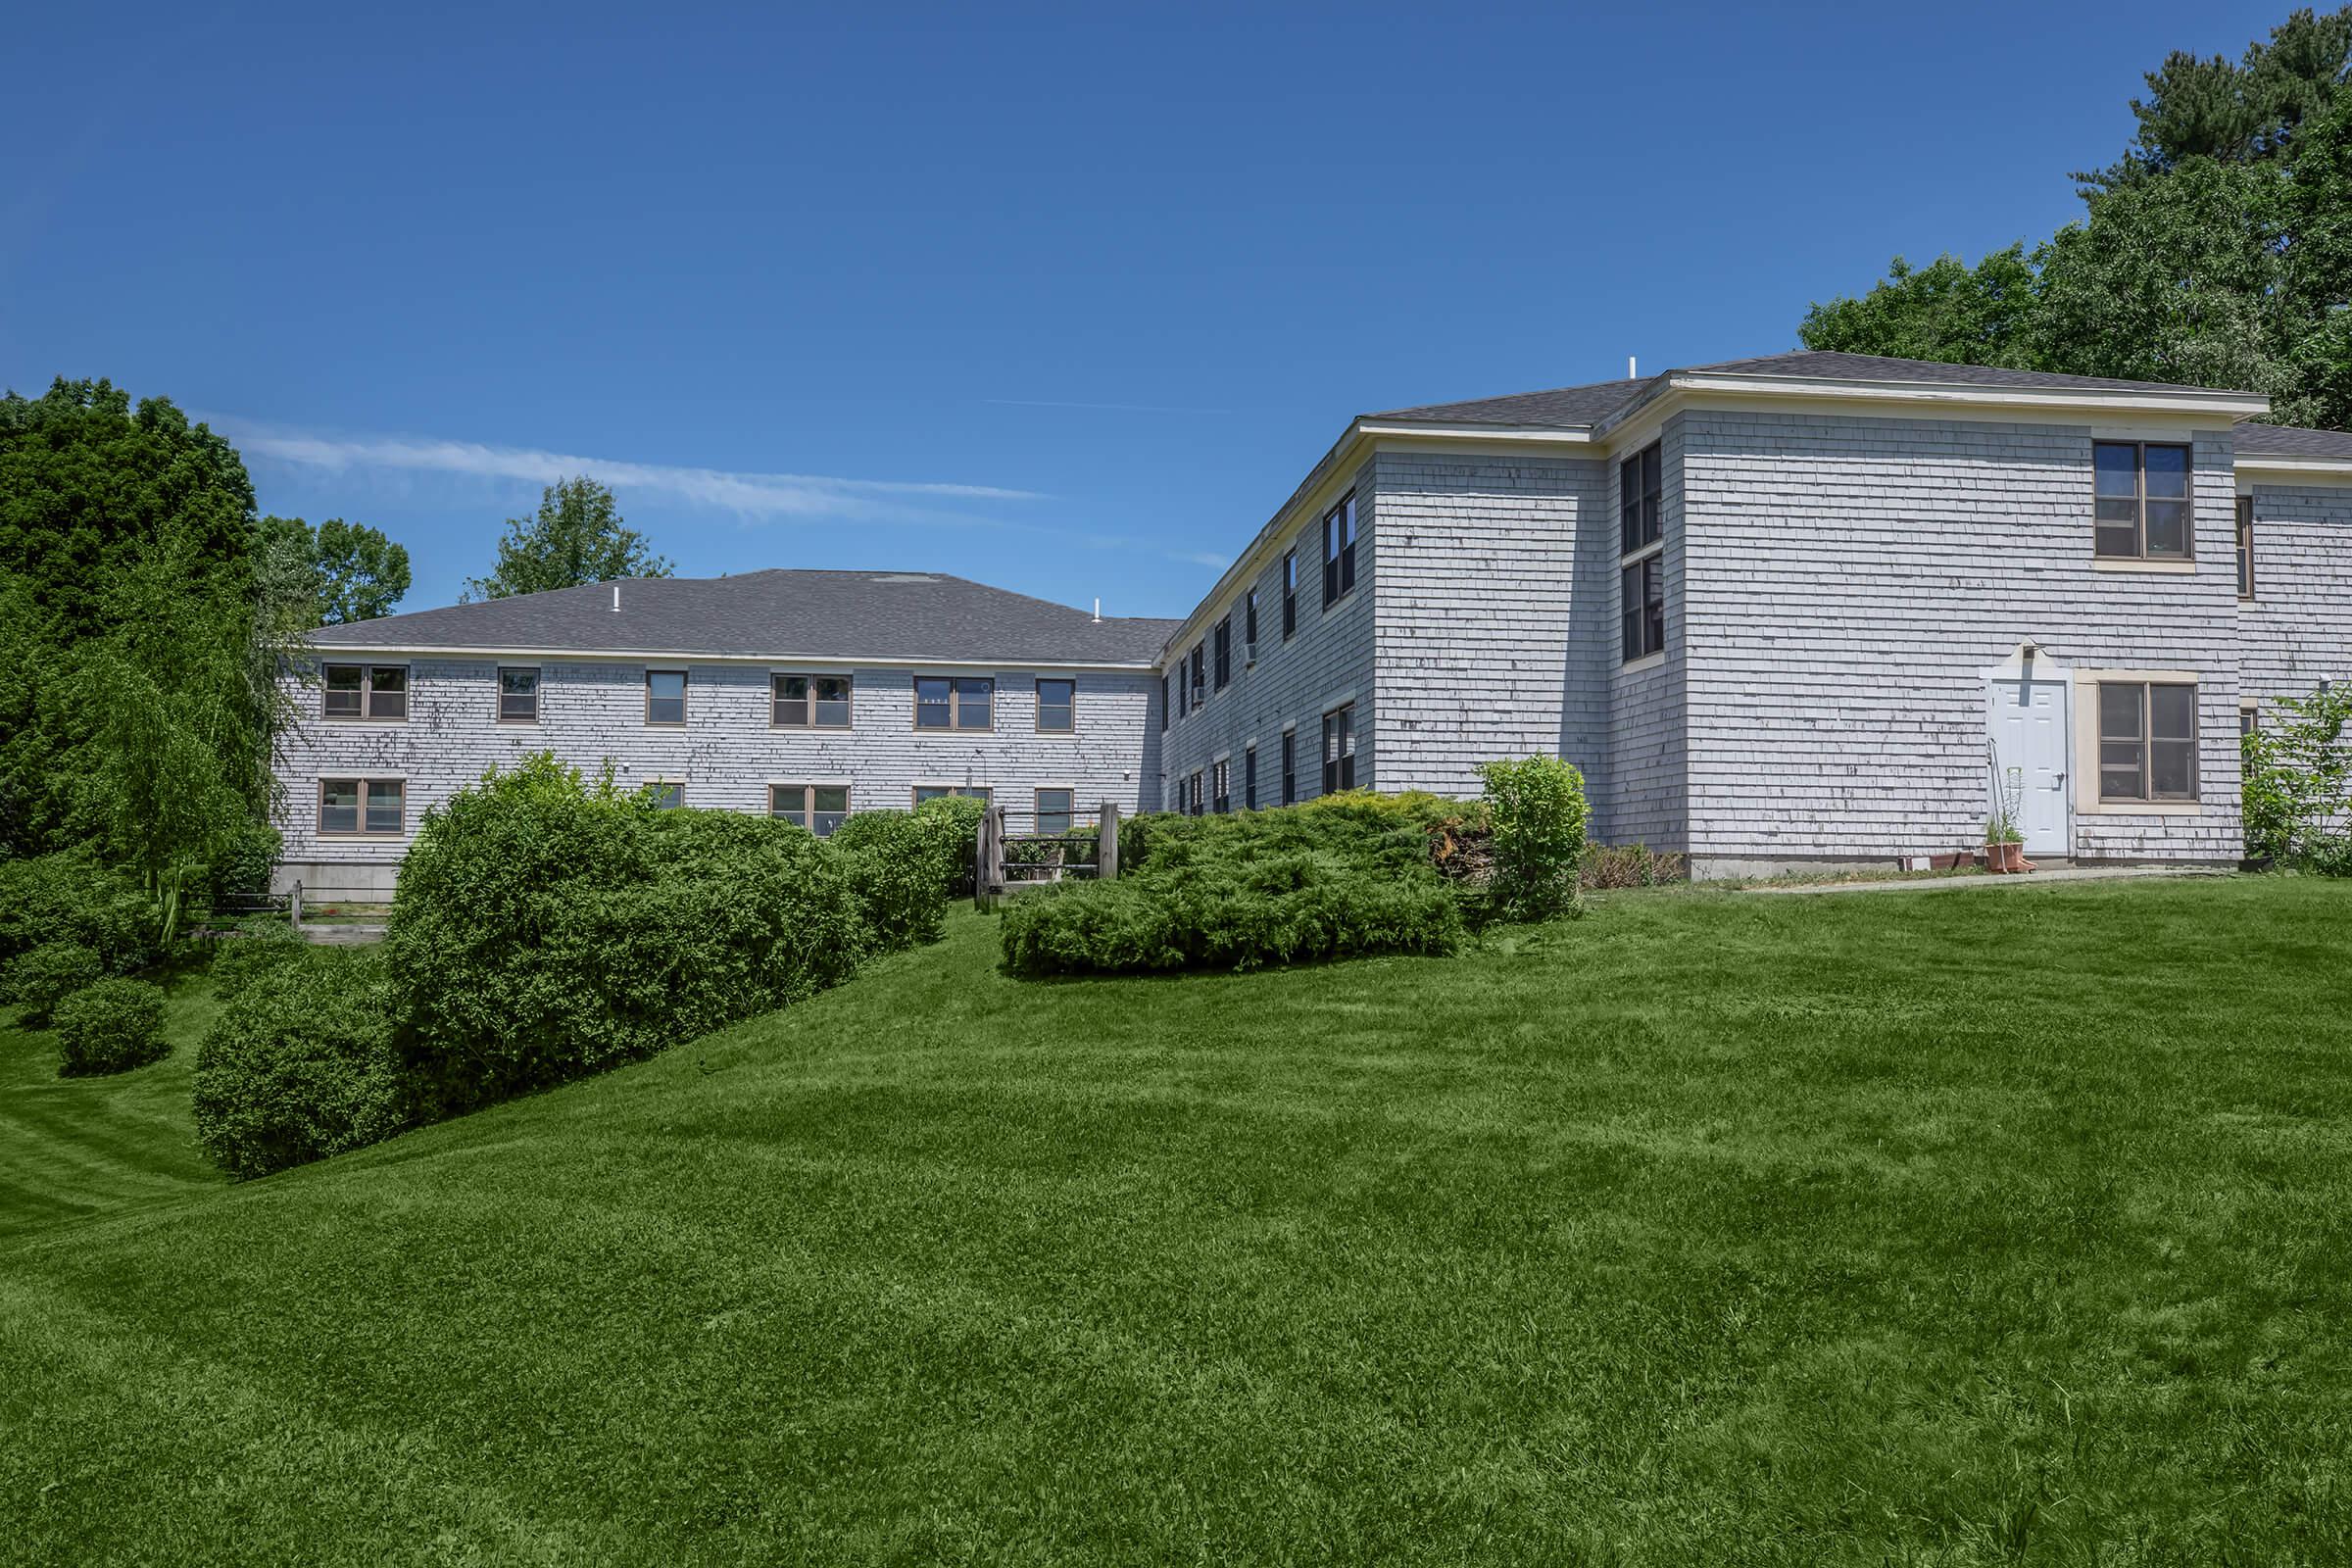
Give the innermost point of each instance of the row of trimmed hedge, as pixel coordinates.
(547, 926)
(1344, 874)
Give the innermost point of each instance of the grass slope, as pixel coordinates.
(1972, 1228)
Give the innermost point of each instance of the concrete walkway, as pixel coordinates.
(2030, 879)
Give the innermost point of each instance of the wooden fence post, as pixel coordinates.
(1106, 846)
(988, 877)
(294, 905)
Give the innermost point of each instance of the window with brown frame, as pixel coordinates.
(2249, 718)
(1054, 811)
(1339, 749)
(666, 794)
(1640, 499)
(518, 696)
(666, 697)
(940, 791)
(954, 702)
(818, 808)
(364, 692)
(809, 701)
(2142, 502)
(2147, 741)
(363, 807)
(1056, 707)
(1339, 551)
(2245, 546)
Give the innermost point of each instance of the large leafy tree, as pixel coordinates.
(2218, 251)
(126, 549)
(345, 570)
(576, 537)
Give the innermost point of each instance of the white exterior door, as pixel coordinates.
(2029, 730)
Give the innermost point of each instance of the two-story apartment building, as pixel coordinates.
(803, 694)
(1808, 608)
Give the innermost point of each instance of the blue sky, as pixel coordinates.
(1066, 300)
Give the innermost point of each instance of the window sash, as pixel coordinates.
(1250, 621)
(378, 692)
(1054, 808)
(954, 702)
(2245, 546)
(343, 691)
(1641, 608)
(1220, 775)
(1249, 779)
(1163, 702)
(1290, 592)
(1056, 707)
(2143, 494)
(666, 697)
(1339, 749)
(519, 696)
(1224, 645)
(939, 792)
(1200, 677)
(666, 794)
(2147, 741)
(363, 807)
(1640, 499)
(1289, 767)
(1339, 550)
(387, 691)
(809, 701)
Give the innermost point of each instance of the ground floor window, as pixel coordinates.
(368, 807)
(2147, 741)
(1193, 794)
(666, 794)
(818, 808)
(1339, 749)
(1220, 777)
(1054, 811)
(940, 791)
(1289, 767)
(1249, 779)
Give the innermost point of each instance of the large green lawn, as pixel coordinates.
(1972, 1227)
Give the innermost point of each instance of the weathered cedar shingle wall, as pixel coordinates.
(1849, 580)
(2297, 629)
(1479, 606)
(726, 753)
(1328, 662)
(1647, 796)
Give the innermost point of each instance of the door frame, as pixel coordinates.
(2030, 664)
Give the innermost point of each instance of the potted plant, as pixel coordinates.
(2004, 845)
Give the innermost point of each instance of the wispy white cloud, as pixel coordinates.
(1112, 408)
(750, 495)
(1202, 558)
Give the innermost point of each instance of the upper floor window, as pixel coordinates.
(1199, 679)
(818, 808)
(2147, 741)
(1339, 749)
(2245, 546)
(1339, 550)
(1640, 499)
(809, 701)
(1224, 640)
(1163, 702)
(519, 697)
(1290, 592)
(366, 691)
(953, 702)
(1056, 707)
(1249, 626)
(666, 697)
(2143, 507)
(369, 808)
(1642, 553)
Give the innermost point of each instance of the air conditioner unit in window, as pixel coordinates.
(1249, 653)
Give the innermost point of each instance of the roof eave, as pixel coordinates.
(2236, 407)
(407, 648)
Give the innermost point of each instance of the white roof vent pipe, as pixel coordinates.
(617, 598)
(1097, 609)
(1633, 371)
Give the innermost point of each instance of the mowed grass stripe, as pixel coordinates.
(1710, 1228)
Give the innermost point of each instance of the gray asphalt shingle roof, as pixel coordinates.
(817, 614)
(1587, 405)
(2291, 441)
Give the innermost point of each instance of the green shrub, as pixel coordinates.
(300, 1065)
(244, 956)
(69, 897)
(1538, 807)
(954, 822)
(545, 928)
(110, 1026)
(897, 870)
(1330, 880)
(2296, 771)
(241, 872)
(42, 978)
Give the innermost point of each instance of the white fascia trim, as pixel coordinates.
(672, 657)
(2296, 467)
(2234, 406)
(1565, 435)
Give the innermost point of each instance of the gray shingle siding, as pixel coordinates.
(1328, 661)
(1644, 795)
(1850, 580)
(726, 753)
(2297, 631)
